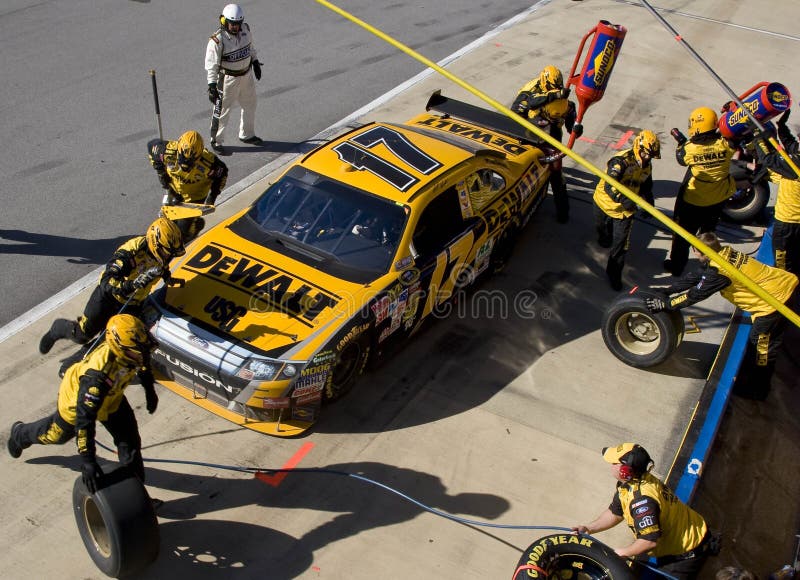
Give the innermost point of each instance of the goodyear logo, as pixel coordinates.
(537, 550)
(268, 288)
(474, 134)
(603, 63)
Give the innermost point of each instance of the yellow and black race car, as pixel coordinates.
(285, 303)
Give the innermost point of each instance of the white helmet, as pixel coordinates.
(231, 14)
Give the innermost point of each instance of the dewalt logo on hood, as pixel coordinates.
(268, 287)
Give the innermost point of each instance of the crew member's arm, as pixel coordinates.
(219, 176)
(690, 289)
(616, 169)
(115, 277)
(92, 390)
(646, 525)
(603, 522)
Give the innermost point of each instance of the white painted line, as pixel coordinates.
(91, 278)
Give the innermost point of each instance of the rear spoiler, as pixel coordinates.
(482, 117)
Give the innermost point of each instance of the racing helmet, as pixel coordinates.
(702, 120)
(231, 15)
(551, 79)
(647, 143)
(129, 340)
(164, 240)
(190, 147)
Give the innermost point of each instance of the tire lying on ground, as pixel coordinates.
(117, 524)
(571, 556)
(638, 337)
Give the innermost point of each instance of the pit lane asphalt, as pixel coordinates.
(490, 417)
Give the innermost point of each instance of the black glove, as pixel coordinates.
(781, 122)
(655, 304)
(146, 277)
(151, 399)
(577, 128)
(213, 93)
(257, 69)
(91, 474)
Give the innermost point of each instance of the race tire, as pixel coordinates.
(747, 204)
(117, 524)
(351, 360)
(571, 556)
(638, 337)
(503, 249)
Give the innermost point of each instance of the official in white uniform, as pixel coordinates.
(229, 58)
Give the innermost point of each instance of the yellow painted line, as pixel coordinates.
(722, 264)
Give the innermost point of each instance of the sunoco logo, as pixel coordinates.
(603, 63)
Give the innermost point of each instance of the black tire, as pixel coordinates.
(638, 337)
(571, 556)
(747, 204)
(117, 524)
(350, 363)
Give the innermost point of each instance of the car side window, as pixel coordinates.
(439, 223)
(483, 186)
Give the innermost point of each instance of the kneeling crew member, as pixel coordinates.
(126, 281)
(663, 526)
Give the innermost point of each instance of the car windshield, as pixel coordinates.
(329, 222)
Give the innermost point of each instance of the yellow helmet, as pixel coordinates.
(164, 240)
(128, 339)
(190, 147)
(551, 79)
(702, 120)
(646, 142)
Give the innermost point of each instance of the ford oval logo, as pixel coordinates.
(198, 341)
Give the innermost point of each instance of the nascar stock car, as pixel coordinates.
(283, 305)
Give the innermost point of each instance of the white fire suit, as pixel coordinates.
(228, 63)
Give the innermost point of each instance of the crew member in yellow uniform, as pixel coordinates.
(93, 390)
(662, 525)
(706, 186)
(190, 174)
(613, 211)
(544, 102)
(786, 227)
(768, 325)
(127, 279)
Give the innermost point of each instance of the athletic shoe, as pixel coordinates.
(46, 343)
(252, 140)
(14, 448)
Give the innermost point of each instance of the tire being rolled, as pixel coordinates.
(571, 556)
(117, 524)
(638, 337)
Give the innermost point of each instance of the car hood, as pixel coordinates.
(259, 296)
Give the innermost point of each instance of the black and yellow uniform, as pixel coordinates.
(200, 183)
(91, 391)
(768, 325)
(532, 102)
(613, 211)
(127, 279)
(786, 227)
(703, 192)
(132, 260)
(653, 512)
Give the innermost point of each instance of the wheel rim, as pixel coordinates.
(576, 567)
(345, 368)
(638, 333)
(96, 527)
(741, 199)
